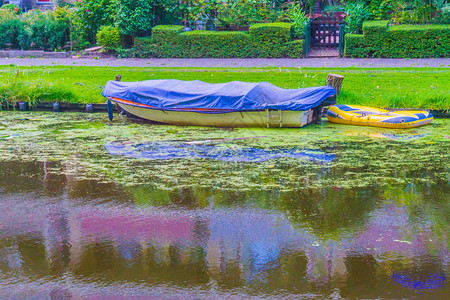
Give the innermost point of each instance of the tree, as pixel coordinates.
(132, 16)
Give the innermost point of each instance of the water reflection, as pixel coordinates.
(62, 235)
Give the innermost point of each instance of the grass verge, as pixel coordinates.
(396, 88)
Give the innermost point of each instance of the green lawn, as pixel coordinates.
(398, 88)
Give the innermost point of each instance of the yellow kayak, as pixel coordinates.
(369, 116)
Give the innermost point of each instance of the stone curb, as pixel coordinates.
(56, 107)
(31, 53)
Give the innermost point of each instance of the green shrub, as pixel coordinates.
(298, 18)
(108, 37)
(375, 33)
(263, 40)
(445, 14)
(166, 33)
(143, 47)
(132, 16)
(45, 31)
(375, 27)
(12, 31)
(267, 38)
(236, 12)
(12, 8)
(217, 44)
(355, 46)
(90, 15)
(357, 13)
(400, 41)
(415, 41)
(167, 40)
(381, 9)
(295, 49)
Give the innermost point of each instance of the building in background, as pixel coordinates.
(34, 4)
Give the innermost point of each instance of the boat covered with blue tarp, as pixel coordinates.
(180, 102)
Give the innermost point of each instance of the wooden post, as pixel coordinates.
(335, 81)
(118, 108)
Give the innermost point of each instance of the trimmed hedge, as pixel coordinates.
(262, 40)
(166, 41)
(295, 49)
(163, 34)
(143, 48)
(400, 41)
(222, 44)
(355, 45)
(270, 39)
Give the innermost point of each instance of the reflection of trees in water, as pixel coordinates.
(25, 254)
(21, 176)
(143, 261)
(139, 260)
(425, 206)
(297, 267)
(361, 271)
(54, 179)
(326, 211)
(57, 238)
(329, 212)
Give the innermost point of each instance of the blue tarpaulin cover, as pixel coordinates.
(174, 94)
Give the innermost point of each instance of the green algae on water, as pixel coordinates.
(365, 156)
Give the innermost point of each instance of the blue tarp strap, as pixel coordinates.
(110, 109)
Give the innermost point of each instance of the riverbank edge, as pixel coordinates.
(102, 108)
(383, 63)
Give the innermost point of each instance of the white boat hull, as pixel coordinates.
(230, 119)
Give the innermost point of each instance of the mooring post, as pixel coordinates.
(109, 109)
(89, 108)
(23, 106)
(335, 81)
(108, 102)
(56, 107)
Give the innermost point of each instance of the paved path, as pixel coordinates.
(233, 63)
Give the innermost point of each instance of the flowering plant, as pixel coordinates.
(90, 15)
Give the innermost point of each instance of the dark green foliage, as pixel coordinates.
(166, 39)
(13, 8)
(268, 38)
(402, 41)
(263, 40)
(35, 29)
(417, 41)
(12, 32)
(108, 37)
(166, 33)
(355, 46)
(375, 29)
(132, 16)
(222, 44)
(47, 33)
(90, 15)
(295, 49)
(357, 13)
(143, 48)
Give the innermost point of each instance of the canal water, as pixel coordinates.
(92, 209)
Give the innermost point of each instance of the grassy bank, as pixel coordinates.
(399, 88)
